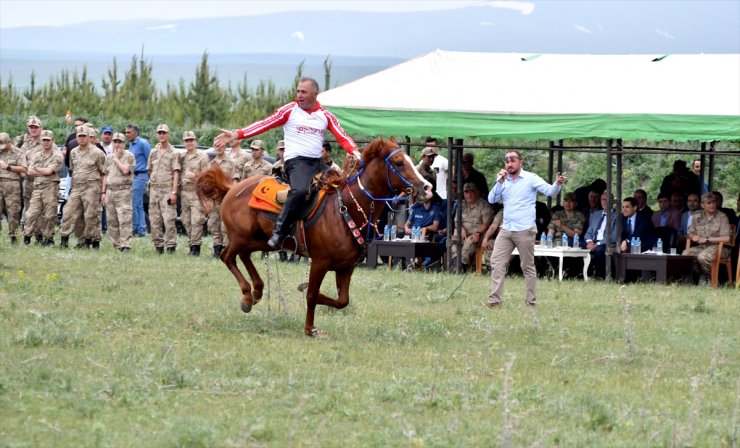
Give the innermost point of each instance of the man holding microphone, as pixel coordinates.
(518, 190)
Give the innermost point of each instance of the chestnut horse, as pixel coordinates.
(386, 171)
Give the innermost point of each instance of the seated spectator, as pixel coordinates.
(476, 216)
(569, 220)
(583, 195)
(542, 216)
(642, 198)
(666, 216)
(490, 236)
(726, 210)
(595, 238)
(470, 174)
(425, 215)
(593, 205)
(708, 228)
(677, 202)
(635, 225)
(692, 205)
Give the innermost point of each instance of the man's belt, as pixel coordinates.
(5, 179)
(136, 173)
(161, 184)
(119, 187)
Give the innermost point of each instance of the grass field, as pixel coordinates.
(108, 349)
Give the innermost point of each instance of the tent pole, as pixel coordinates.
(702, 172)
(550, 158)
(407, 144)
(450, 218)
(459, 195)
(619, 190)
(607, 229)
(559, 170)
(712, 149)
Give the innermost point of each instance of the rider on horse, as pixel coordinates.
(304, 123)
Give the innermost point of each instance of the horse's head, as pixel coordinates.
(386, 161)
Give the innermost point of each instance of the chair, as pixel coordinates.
(668, 235)
(479, 260)
(719, 261)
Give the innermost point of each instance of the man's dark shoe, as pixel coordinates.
(275, 241)
(65, 242)
(96, 245)
(125, 249)
(39, 239)
(27, 240)
(160, 250)
(194, 251)
(13, 240)
(170, 250)
(49, 242)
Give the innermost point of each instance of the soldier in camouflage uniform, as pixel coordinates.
(240, 157)
(568, 220)
(425, 165)
(44, 169)
(87, 164)
(476, 216)
(215, 225)
(257, 165)
(191, 215)
(164, 178)
(12, 166)
(117, 193)
(708, 227)
(277, 167)
(30, 143)
(489, 238)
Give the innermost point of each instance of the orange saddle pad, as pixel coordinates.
(264, 197)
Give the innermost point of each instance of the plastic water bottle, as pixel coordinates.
(415, 234)
(660, 246)
(549, 241)
(565, 240)
(386, 233)
(543, 240)
(632, 245)
(576, 241)
(638, 246)
(393, 232)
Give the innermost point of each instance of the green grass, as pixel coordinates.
(108, 349)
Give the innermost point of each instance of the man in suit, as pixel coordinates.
(635, 225)
(692, 205)
(667, 215)
(595, 237)
(642, 207)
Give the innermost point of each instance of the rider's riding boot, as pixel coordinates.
(281, 228)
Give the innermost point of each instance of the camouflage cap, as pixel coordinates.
(281, 144)
(4, 141)
(91, 131)
(47, 135)
(82, 130)
(163, 128)
(570, 197)
(469, 186)
(257, 144)
(708, 197)
(33, 121)
(118, 136)
(188, 135)
(428, 151)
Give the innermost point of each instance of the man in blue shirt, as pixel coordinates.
(140, 148)
(518, 189)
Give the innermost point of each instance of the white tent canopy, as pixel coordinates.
(675, 97)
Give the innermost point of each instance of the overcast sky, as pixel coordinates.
(15, 13)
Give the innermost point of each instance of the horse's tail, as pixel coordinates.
(212, 185)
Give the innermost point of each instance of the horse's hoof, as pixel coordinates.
(303, 287)
(314, 333)
(246, 307)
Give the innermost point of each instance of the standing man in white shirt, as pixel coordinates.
(518, 189)
(305, 123)
(440, 166)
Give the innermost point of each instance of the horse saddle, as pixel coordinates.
(270, 193)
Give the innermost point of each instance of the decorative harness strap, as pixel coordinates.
(352, 226)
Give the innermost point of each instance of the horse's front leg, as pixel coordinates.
(228, 257)
(315, 278)
(257, 284)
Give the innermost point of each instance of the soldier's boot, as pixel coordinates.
(217, 250)
(49, 242)
(86, 243)
(39, 239)
(96, 245)
(64, 243)
(171, 250)
(195, 251)
(125, 249)
(160, 250)
(27, 240)
(13, 240)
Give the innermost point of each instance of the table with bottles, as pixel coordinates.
(560, 252)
